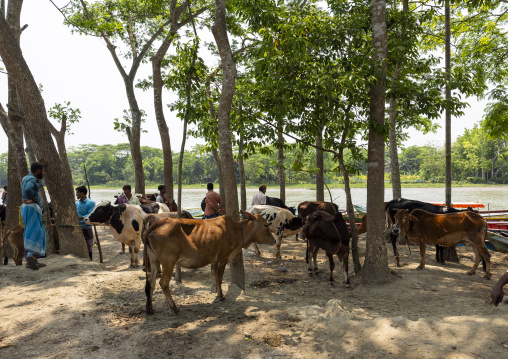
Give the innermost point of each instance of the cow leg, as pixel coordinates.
(422, 255)
(486, 261)
(440, 254)
(136, 254)
(332, 266)
(296, 237)
(345, 266)
(219, 274)
(258, 252)
(396, 258)
(315, 251)
(278, 241)
(167, 272)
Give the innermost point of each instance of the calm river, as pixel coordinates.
(494, 197)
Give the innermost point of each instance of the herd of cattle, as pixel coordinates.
(194, 243)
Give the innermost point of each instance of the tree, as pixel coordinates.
(220, 35)
(59, 185)
(375, 267)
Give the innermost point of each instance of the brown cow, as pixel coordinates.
(195, 243)
(446, 230)
(14, 237)
(151, 218)
(307, 207)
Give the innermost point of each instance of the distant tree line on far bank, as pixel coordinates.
(475, 158)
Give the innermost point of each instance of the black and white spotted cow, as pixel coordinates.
(281, 222)
(125, 222)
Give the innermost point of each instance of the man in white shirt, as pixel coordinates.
(260, 197)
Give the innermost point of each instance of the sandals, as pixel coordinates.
(31, 263)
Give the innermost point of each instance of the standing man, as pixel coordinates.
(127, 198)
(34, 237)
(85, 207)
(213, 202)
(260, 197)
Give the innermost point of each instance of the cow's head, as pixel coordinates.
(258, 232)
(312, 225)
(292, 210)
(403, 220)
(294, 224)
(101, 214)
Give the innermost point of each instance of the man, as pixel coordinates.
(85, 207)
(4, 196)
(161, 198)
(127, 196)
(213, 202)
(497, 291)
(260, 197)
(34, 236)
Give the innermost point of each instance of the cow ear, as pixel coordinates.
(412, 218)
(247, 215)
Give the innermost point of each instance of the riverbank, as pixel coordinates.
(311, 186)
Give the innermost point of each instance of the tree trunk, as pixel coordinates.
(349, 204)
(394, 156)
(375, 268)
(450, 253)
(243, 189)
(280, 165)
(134, 136)
(226, 99)
(37, 125)
(222, 187)
(320, 183)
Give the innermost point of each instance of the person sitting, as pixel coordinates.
(161, 198)
(260, 197)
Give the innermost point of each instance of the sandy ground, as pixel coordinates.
(79, 309)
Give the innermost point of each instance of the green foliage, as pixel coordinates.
(60, 112)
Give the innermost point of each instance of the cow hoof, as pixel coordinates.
(471, 273)
(332, 284)
(486, 277)
(149, 311)
(419, 268)
(175, 310)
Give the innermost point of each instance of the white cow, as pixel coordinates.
(281, 222)
(125, 222)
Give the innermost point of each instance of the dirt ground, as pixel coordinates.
(79, 309)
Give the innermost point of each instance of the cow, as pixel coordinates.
(330, 233)
(125, 222)
(195, 243)
(447, 230)
(277, 202)
(394, 205)
(151, 218)
(14, 237)
(307, 207)
(281, 222)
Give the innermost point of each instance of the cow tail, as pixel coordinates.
(146, 246)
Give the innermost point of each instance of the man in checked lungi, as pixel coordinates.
(31, 212)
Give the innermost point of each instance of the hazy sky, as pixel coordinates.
(80, 69)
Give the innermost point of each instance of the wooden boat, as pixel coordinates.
(461, 204)
(498, 241)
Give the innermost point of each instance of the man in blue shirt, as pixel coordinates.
(34, 236)
(85, 207)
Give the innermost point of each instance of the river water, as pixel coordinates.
(495, 197)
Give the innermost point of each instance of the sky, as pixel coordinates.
(80, 69)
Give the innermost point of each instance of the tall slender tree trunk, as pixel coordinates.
(450, 253)
(226, 99)
(280, 166)
(243, 189)
(59, 185)
(375, 268)
(394, 156)
(349, 202)
(320, 182)
(222, 187)
(134, 136)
